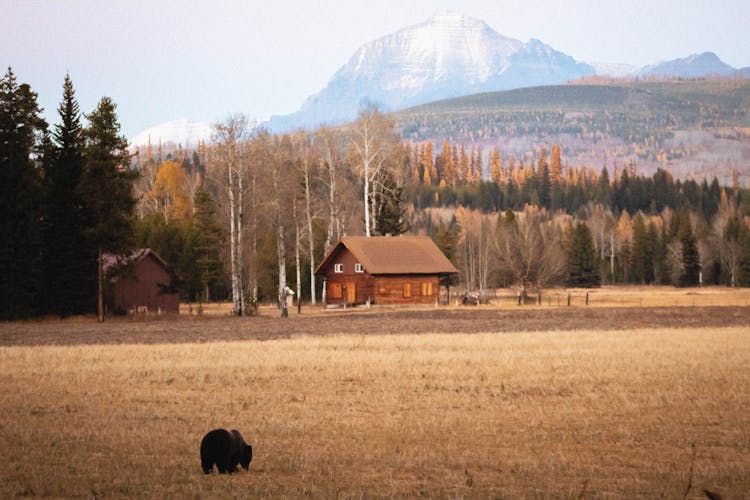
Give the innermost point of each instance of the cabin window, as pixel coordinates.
(407, 290)
(383, 290)
(427, 288)
(338, 268)
(358, 268)
(336, 292)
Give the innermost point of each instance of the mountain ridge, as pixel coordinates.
(449, 55)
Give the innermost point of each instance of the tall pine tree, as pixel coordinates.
(69, 263)
(582, 263)
(210, 238)
(691, 262)
(643, 252)
(20, 192)
(106, 189)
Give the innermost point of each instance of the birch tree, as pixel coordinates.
(308, 158)
(331, 161)
(231, 138)
(278, 171)
(474, 246)
(373, 148)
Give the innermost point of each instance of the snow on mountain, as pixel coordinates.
(449, 55)
(176, 132)
(693, 66)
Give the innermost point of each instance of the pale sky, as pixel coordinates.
(201, 60)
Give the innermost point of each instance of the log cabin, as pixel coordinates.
(384, 270)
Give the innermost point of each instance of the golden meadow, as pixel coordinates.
(647, 412)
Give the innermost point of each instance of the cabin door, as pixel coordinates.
(351, 292)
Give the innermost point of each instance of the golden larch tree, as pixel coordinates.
(555, 165)
(172, 191)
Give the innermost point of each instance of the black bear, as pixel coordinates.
(226, 449)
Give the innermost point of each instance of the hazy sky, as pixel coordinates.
(163, 60)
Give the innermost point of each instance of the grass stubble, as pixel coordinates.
(532, 414)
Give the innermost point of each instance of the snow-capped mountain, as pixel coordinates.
(176, 132)
(449, 55)
(693, 66)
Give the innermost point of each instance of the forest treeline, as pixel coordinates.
(249, 215)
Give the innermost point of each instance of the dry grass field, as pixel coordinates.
(592, 402)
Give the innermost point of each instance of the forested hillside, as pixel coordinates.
(696, 128)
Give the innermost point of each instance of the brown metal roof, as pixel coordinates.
(394, 255)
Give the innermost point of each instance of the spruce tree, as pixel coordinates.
(70, 263)
(210, 238)
(643, 252)
(743, 278)
(106, 189)
(545, 187)
(582, 265)
(20, 192)
(691, 263)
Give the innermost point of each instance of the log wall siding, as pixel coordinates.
(383, 289)
(390, 289)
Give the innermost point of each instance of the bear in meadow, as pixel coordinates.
(226, 449)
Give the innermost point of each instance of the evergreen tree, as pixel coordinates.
(743, 278)
(545, 187)
(582, 264)
(603, 193)
(662, 271)
(691, 263)
(106, 188)
(70, 263)
(20, 192)
(643, 253)
(209, 241)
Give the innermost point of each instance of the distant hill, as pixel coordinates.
(693, 66)
(692, 127)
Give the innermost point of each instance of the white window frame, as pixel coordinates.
(338, 268)
(358, 268)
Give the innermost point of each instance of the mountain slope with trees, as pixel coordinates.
(696, 128)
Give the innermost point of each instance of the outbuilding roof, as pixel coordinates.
(110, 260)
(393, 255)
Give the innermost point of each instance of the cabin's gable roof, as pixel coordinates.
(110, 261)
(393, 255)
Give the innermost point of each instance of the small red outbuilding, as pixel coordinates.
(140, 283)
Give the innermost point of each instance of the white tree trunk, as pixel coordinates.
(281, 254)
(240, 213)
(310, 238)
(297, 244)
(235, 271)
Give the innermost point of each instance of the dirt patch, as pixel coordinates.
(187, 329)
